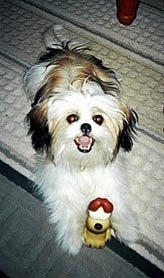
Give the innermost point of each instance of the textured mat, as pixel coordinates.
(143, 36)
(139, 65)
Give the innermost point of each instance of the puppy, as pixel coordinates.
(81, 132)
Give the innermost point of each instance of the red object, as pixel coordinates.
(101, 202)
(127, 10)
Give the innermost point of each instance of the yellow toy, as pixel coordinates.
(98, 225)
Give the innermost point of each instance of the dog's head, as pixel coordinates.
(97, 226)
(76, 116)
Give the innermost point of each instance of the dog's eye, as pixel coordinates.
(98, 119)
(72, 118)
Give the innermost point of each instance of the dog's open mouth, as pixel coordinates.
(84, 143)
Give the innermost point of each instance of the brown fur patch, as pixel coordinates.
(73, 69)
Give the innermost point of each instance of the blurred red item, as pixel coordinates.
(127, 10)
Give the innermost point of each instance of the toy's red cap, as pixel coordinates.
(101, 202)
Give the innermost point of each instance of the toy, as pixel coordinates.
(98, 225)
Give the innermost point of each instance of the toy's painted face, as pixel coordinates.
(97, 226)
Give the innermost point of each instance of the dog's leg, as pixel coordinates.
(69, 230)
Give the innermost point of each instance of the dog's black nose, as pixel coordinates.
(98, 226)
(86, 128)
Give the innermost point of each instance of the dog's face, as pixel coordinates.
(97, 226)
(84, 127)
(73, 120)
(80, 128)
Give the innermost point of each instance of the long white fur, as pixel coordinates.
(73, 179)
(68, 192)
(35, 78)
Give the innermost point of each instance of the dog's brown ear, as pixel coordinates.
(128, 132)
(38, 127)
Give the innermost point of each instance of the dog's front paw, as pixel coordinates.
(70, 242)
(71, 245)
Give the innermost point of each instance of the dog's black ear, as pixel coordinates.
(38, 127)
(129, 131)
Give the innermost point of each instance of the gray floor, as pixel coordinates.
(27, 244)
(136, 53)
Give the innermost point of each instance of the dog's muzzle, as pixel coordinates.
(85, 142)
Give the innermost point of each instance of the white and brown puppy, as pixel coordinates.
(81, 133)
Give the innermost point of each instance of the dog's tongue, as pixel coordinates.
(84, 142)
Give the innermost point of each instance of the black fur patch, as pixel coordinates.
(38, 97)
(126, 136)
(38, 129)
